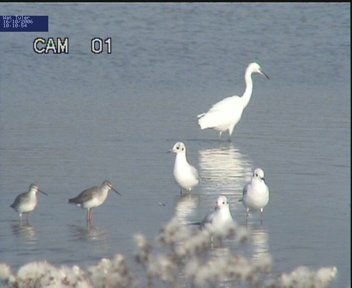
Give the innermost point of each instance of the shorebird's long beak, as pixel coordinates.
(115, 190)
(42, 192)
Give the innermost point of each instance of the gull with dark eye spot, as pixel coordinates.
(220, 218)
(256, 194)
(185, 174)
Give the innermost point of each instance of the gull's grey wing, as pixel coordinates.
(245, 191)
(195, 172)
(207, 219)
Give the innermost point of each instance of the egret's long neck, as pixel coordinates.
(249, 88)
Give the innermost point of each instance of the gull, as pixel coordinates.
(185, 174)
(256, 193)
(26, 202)
(225, 114)
(93, 197)
(220, 218)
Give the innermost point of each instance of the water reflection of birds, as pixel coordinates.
(24, 229)
(185, 206)
(224, 167)
(89, 232)
(259, 239)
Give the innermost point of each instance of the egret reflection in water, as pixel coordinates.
(224, 168)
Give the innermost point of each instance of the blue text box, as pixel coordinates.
(24, 23)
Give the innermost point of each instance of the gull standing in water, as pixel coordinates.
(225, 114)
(27, 201)
(93, 197)
(220, 218)
(256, 194)
(185, 174)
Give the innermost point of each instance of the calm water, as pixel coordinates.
(67, 122)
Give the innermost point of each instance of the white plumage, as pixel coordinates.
(26, 202)
(185, 174)
(225, 114)
(256, 193)
(220, 218)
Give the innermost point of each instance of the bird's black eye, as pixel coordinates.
(223, 203)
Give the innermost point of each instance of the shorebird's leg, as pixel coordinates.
(88, 215)
(247, 214)
(261, 216)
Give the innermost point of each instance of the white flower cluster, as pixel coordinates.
(187, 252)
(185, 258)
(108, 273)
(303, 277)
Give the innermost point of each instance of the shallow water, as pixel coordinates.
(68, 122)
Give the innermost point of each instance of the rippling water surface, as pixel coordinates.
(68, 122)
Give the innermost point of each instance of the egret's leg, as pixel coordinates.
(230, 133)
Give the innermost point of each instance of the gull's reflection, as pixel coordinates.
(185, 206)
(224, 167)
(259, 239)
(24, 229)
(220, 251)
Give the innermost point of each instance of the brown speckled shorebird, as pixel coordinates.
(93, 197)
(27, 201)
